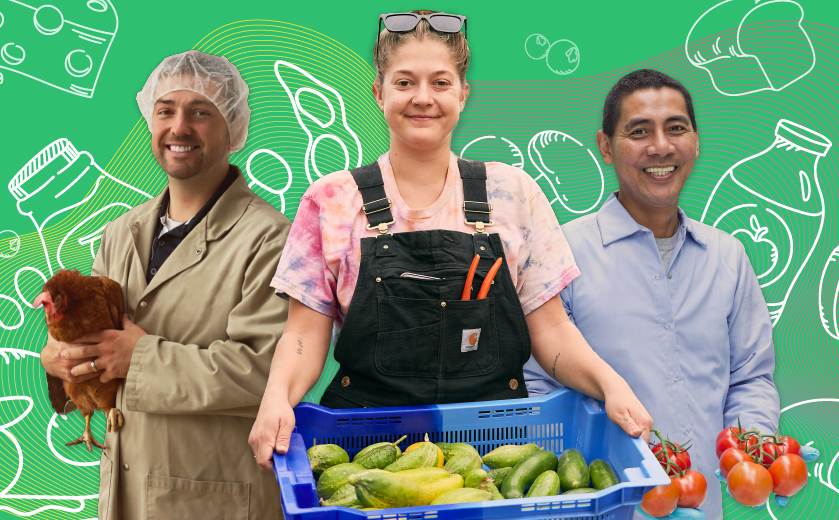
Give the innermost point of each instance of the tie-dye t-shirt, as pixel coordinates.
(320, 262)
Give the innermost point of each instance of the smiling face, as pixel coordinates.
(653, 149)
(421, 95)
(189, 134)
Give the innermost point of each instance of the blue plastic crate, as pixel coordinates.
(564, 419)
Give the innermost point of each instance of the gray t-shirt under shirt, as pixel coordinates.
(665, 249)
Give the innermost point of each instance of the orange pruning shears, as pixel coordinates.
(482, 293)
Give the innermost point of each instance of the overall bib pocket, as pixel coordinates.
(436, 338)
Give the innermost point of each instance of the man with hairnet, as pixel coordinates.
(202, 322)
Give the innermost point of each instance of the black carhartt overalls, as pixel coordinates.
(408, 339)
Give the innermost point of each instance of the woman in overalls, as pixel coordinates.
(383, 253)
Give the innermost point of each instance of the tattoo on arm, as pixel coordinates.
(553, 370)
(300, 346)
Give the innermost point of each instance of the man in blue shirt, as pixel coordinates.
(671, 304)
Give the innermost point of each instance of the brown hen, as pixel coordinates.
(76, 305)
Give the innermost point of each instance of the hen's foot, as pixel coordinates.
(88, 440)
(115, 420)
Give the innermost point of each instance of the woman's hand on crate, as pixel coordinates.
(271, 431)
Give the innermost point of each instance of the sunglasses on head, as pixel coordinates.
(406, 22)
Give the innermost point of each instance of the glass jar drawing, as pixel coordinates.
(773, 203)
(65, 190)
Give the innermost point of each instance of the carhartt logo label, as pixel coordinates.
(469, 340)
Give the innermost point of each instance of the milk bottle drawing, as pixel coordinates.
(773, 203)
(65, 189)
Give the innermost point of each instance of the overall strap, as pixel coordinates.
(375, 205)
(474, 177)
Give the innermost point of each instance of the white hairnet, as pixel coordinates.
(214, 77)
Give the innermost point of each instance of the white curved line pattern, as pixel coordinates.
(17, 286)
(4, 430)
(514, 150)
(16, 353)
(343, 147)
(256, 181)
(71, 70)
(43, 30)
(53, 424)
(310, 115)
(8, 58)
(19, 310)
(829, 298)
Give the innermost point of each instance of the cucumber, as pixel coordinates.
(324, 456)
(378, 444)
(334, 478)
(379, 457)
(545, 485)
(580, 491)
(572, 470)
(474, 478)
(526, 471)
(427, 455)
(424, 475)
(493, 490)
(462, 495)
(345, 497)
(435, 488)
(459, 448)
(463, 463)
(382, 489)
(498, 475)
(602, 475)
(509, 455)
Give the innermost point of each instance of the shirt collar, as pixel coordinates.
(616, 223)
(184, 229)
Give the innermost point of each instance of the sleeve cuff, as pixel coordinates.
(285, 291)
(534, 303)
(134, 379)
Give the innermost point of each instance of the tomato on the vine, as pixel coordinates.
(678, 456)
(693, 489)
(750, 484)
(661, 500)
(730, 458)
(764, 452)
(789, 446)
(729, 438)
(789, 475)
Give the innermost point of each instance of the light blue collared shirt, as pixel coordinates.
(694, 341)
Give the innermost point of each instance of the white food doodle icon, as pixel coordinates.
(60, 179)
(747, 46)
(264, 175)
(64, 48)
(561, 56)
(569, 173)
(779, 222)
(21, 413)
(492, 148)
(829, 295)
(9, 243)
(319, 131)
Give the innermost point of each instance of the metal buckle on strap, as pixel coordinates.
(477, 210)
(479, 226)
(364, 206)
(381, 227)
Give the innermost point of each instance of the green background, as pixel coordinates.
(513, 96)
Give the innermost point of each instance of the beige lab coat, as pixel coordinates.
(196, 380)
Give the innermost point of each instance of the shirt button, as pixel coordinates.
(658, 277)
(514, 384)
(667, 327)
(197, 251)
(378, 279)
(675, 379)
(686, 432)
(143, 305)
(345, 381)
(125, 467)
(161, 243)
(134, 228)
(483, 248)
(669, 276)
(442, 304)
(385, 246)
(153, 270)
